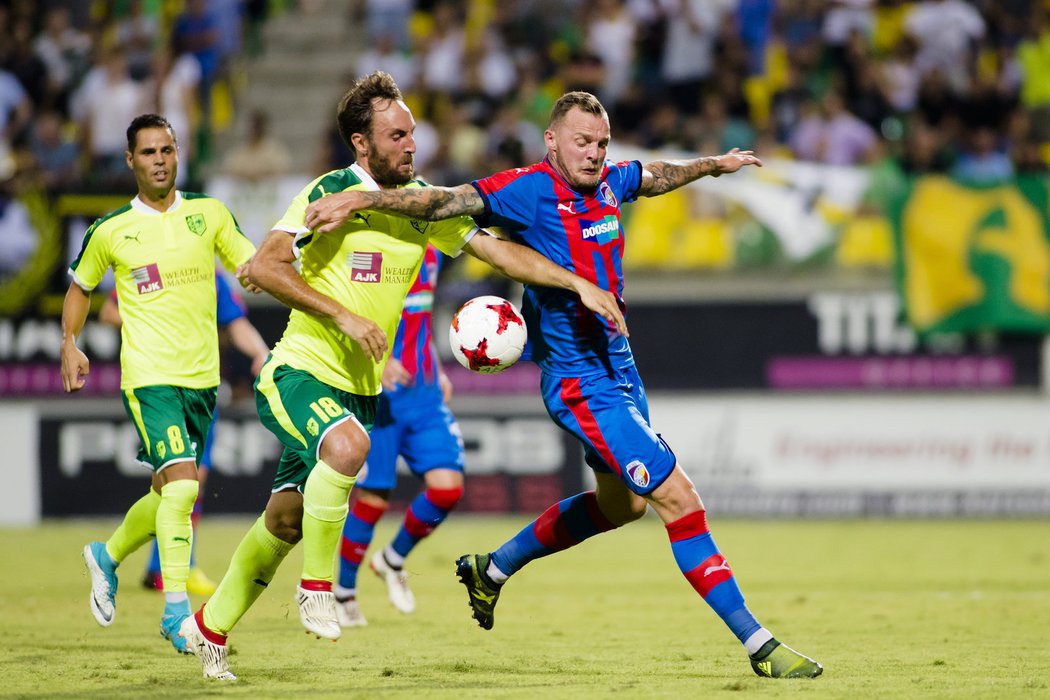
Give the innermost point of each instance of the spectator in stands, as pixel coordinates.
(383, 54)
(715, 127)
(196, 31)
(689, 49)
(66, 52)
(754, 21)
(138, 33)
(984, 158)
(23, 63)
(388, 17)
(15, 109)
(55, 155)
(946, 32)
(1033, 57)
(260, 156)
(899, 76)
(832, 135)
(610, 35)
(18, 240)
(442, 59)
(788, 103)
(925, 151)
(172, 90)
(106, 102)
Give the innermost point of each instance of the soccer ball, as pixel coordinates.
(487, 334)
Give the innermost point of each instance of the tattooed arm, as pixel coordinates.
(427, 203)
(662, 176)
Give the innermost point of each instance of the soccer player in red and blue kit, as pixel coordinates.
(567, 207)
(412, 420)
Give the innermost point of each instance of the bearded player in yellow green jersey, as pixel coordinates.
(162, 249)
(317, 393)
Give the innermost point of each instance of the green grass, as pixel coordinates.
(892, 610)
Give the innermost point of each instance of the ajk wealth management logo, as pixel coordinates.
(147, 278)
(366, 267)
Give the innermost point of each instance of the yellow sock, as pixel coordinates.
(251, 570)
(175, 532)
(325, 499)
(136, 529)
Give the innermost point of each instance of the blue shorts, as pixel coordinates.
(209, 442)
(610, 416)
(413, 422)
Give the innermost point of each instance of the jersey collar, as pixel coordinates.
(366, 179)
(142, 208)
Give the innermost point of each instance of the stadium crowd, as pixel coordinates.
(941, 85)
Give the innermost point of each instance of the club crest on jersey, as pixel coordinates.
(602, 231)
(606, 193)
(638, 473)
(147, 279)
(366, 267)
(196, 224)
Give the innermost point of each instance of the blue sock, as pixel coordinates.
(709, 574)
(561, 526)
(358, 531)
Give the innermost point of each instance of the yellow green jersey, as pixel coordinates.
(368, 265)
(164, 265)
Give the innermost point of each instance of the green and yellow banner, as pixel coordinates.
(973, 258)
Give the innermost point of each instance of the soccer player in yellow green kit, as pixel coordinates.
(317, 393)
(162, 249)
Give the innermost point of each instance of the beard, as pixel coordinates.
(386, 173)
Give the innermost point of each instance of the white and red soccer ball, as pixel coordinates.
(487, 334)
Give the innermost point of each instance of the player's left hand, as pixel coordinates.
(736, 159)
(242, 273)
(364, 332)
(446, 386)
(329, 213)
(605, 304)
(395, 374)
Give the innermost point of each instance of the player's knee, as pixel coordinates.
(284, 516)
(285, 526)
(345, 448)
(445, 499)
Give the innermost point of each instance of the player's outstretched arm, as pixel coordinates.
(428, 203)
(662, 176)
(249, 342)
(525, 265)
(75, 365)
(271, 270)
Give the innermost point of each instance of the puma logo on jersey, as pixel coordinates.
(181, 539)
(133, 238)
(566, 206)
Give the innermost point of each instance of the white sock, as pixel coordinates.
(494, 573)
(393, 558)
(344, 594)
(175, 597)
(757, 639)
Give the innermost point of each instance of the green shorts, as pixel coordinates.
(300, 410)
(172, 422)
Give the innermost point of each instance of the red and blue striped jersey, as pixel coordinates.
(580, 232)
(413, 344)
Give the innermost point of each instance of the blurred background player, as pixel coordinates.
(231, 315)
(412, 420)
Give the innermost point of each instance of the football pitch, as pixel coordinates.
(917, 609)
